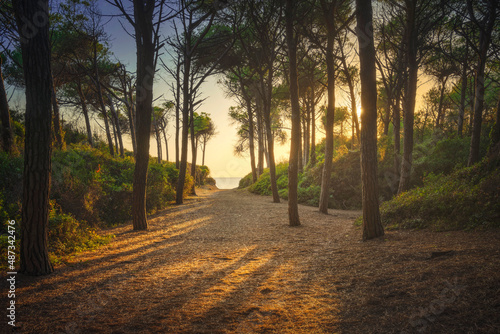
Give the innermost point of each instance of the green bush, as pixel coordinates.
(246, 181)
(68, 235)
(466, 199)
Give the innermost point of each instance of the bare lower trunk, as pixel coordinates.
(269, 133)
(293, 167)
(372, 226)
(35, 50)
(312, 158)
(143, 13)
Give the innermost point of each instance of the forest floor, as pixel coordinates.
(227, 262)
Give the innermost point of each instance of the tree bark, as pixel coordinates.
(35, 48)
(409, 103)
(312, 158)
(114, 114)
(56, 117)
(185, 121)
(484, 44)
(85, 112)
(267, 88)
(8, 144)
(372, 226)
(251, 140)
(177, 112)
(132, 121)
(330, 114)
(293, 168)
(194, 149)
(463, 94)
(143, 14)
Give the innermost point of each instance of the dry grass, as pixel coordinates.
(227, 262)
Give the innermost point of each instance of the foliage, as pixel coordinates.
(68, 235)
(468, 198)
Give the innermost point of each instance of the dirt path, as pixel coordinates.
(226, 262)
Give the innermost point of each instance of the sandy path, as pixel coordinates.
(227, 262)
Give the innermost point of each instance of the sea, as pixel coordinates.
(227, 182)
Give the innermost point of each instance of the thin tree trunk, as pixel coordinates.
(372, 226)
(159, 149)
(396, 121)
(409, 111)
(295, 143)
(35, 48)
(495, 138)
(56, 117)
(177, 113)
(330, 116)
(166, 142)
(118, 134)
(194, 150)
(251, 139)
(85, 112)
(260, 138)
(131, 121)
(463, 94)
(8, 144)
(270, 140)
(441, 103)
(312, 158)
(185, 123)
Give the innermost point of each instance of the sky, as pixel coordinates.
(219, 155)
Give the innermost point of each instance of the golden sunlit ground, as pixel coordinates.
(227, 262)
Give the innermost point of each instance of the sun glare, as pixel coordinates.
(358, 111)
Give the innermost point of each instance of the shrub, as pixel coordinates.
(67, 235)
(466, 199)
(246, 181)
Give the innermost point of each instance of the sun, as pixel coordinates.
(358, 111)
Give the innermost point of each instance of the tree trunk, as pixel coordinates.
(35, 48)
(441, 103)
(85, 112)
(330, 115)
(177, 113)
(372, 226)
(463, 94)
(158, 139)
(260, 138)
(143, 14)
(251, 139)
(495, 138)
(56, 117)
(118, 133)
(295, 143)
(131, 121)
(409, 103)
(312, 158)
(8, 144)
(484, 44)
(267, 87)
(185, 122)
(194, 150)
(166, 142)
(396, 121)
(100, 98)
